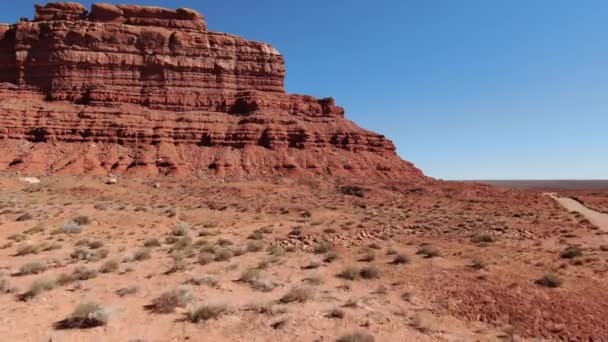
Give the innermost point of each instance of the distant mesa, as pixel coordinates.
(151, 91)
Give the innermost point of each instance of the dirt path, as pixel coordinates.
(597, 218)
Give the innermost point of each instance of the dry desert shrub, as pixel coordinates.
(127, 291)
(81, 220)
(571, 252)
(181, 229)
(152, 242)
(331, 256)
(170, 300)
(356, 337)
(549, 280)
(70, 227)
(85, 316)
(370, 272)
(298, 294)
(336, 313)
(24, 217)
(34, 267)
(349, 273)
(256, 279)
(483, 238)
(109, 267)
(39, 286)
(142, 254)
(400, 259)
(205, 258)
(27, 249)
(36, 229)
(5, 286)
(428, 251)
(207, 311)
(255, 246)
(422, 323)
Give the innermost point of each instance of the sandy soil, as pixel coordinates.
(469, 259)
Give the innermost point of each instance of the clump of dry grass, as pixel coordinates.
(483, 238)
(35, 229)
(323, 247)
(256, 279)
(370, 272)
(336, 313)
(84, 273)
(109, 267)
(428, 251)
(27, 249)
(5, 286)
(353, 273)
(255, 246)
(127, 291)
(331, 256)
(356, 337)
(181, 229)
(549, 280)
(152, 242)
(168, 301)
(400, 259)
(178, 265)
(207, 311)
(349, 273)
(87, 315)
(298, 294)
(571, 252)
(205, 258)
(34, 267)
(81, 220)
(84, 254)
(142, 254)
(39, 286)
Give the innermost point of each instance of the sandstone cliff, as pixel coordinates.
(148, 90)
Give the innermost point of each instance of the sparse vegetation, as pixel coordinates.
(352, 190)
(142, 254)
(571, 252)
(109, 267)
(82, 220)
(181, 229)
(549, 280)
(370, 272)
(87, 315)
(27, 249)
(400, 259)
(206, 312)
(428, 251)
(483, 238)
(255, 246)
(34, 267)
(152, 242)
(168, 301)
(298, 294)
(356, 337)
(349, 273)
(39, 286)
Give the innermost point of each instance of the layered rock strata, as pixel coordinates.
(148, 90)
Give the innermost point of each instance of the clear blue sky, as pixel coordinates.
(470, 89)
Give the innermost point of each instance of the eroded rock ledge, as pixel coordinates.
(142, 81)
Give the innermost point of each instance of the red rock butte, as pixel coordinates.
(151, 91)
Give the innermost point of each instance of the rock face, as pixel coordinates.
(148, 90)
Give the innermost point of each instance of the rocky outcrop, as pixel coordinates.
(154, 90)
